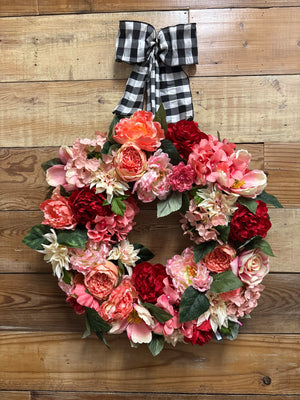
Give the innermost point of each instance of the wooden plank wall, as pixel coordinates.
(58, 80)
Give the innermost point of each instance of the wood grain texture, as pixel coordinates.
(51, 362)
(242, 109)
(18, 7)
(15, 395)
(148, 396)
(32, 302)
(247, 41)
(163, 237)
(69, 47)
(77, 47)
(282, 157)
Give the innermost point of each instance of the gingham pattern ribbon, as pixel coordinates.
(158, 59)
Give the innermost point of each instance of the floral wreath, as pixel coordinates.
(204, 292)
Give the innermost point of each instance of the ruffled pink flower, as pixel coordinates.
(58, 213)
(242, 301)
(185, 272)
(120, 302)
(182, 177)
(251, 266)
(82, 260)
(169, 326)
(83, 298)
(155, 181)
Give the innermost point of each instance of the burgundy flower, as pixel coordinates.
(201, 334)
(184, 135)
(86, 205)
(148, 280)
(244, 224)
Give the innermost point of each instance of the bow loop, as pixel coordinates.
(157, 71)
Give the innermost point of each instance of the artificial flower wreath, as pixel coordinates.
(204, 292)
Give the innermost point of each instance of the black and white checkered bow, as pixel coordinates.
(158, 60)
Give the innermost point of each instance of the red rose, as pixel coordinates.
(86, 205)
(184, 134)
(148, 280)
(201, 334)
(245, 225)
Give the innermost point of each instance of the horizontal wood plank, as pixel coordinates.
(282, 157)
(69, 47)
(8, 395)
(32, 302)
(51, 362)
(230, 42)
(18, 7)
(149, 396)
(163, 237)
(242, 41)
(242, 109)
(285, 185)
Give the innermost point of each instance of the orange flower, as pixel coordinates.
(130, 162)
(141, 130)
(101, 280)
(219, 259)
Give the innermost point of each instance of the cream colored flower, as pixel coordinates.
(55, 254)
(125, 252)
(108, 182)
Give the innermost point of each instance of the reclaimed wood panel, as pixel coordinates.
(285, 185)
(242, 109)
(61, 361)
(69, 47)
(79, 47)
(34, 302)
(247, 41)
(282, 156)
(22, 177)
(15, 395)
(148, 396)
(163, 237)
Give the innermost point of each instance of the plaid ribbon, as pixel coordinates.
(157, 71)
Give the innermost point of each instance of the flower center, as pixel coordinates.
(134, 318)
(238, 184)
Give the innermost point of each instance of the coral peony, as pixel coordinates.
(130, 162)
(101, 280)
(220, 258)
(141, 130)
(58, 213)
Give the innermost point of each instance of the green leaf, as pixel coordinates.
(35, 237)
(157, 344)
(50, 163)
(113, 147)
(87, 331)
(118, 206)
(161, 117)
(269, 199)
(224, 232)
(67, 276)
(259, 243)
(225, 282)
(97, 324)
(69, 238)
(200, 250)
(251, 204)
(144, 253)
(171, 204)
(105, 148)
(198, 199)
(100, 336)
(158, 313)
(168, 147)
(111, 130)
(193, 304)
(121, 268)
(231, 332)
(63, 192)
(185, 203)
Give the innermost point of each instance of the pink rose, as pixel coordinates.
(101, 280)
(120, 302)
(58, 213)
(219, 259)
(130, 162)
(182, 177)
(251, 266)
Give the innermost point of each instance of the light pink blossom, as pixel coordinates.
(251, 266)
(182, 177)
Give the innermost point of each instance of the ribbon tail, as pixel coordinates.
(175, 94)
(133, 97)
